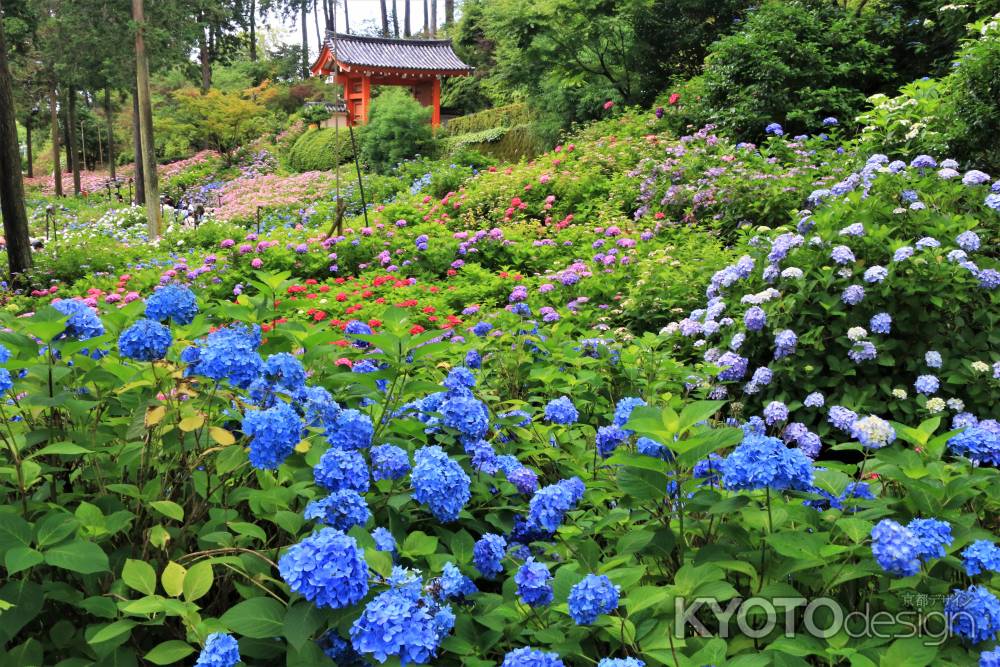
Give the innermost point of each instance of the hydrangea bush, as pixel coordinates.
(398, 507)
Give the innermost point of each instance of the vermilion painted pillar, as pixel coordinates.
(436, 106)
(366, 97)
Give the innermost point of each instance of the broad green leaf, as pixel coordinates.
(198, 581)
(139, 576)
(21, 558)
(112, 631)
(78, 556)
(173, 579)
(642, 485)
(169, 509)
(418, 543)
(259, 618)
(249, 529)
(169, 652)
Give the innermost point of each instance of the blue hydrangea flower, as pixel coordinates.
(459, 378)
(933, 359)
(550, 503)
(221, 650)
(356, 328)
(590, 598)
(973, 613)
(990, 658)
(533, 585)
(842, 254)
(926, 384)
(530, 657)
(775, 412)
(896, 548)
(561, 411)
(389, 462)
(273, 434)
(814, 400)
(172, 302)
(981, 556)
(83, 322)
(650, 447)
(784, 343)
(227, 353)
(968, 241)
(853, 295)
(466, 414)
(404, 623)
(876, 274)
(759, 462)
(923, 162)
(351, 430)
(285, 372)
(608, 439)
(146, 340)
(755, 318)
(327, 568)
(6, 381)
(902, 254)
(775, 129)
(621, 662)
(384, 541)
(482, 328)
(342, 510)
(4, 355)
(439, 483)
(881, 323)
(488, 554)
(341, 469)
(842, 418)
(524, 479)
(733, 366)
(453, 585)
(978, 444)
(473, 359)
(932, 537)
(624, 408)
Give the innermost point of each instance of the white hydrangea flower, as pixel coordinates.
(935, 405)
(980, 367)
(899, 394)
(857, 333)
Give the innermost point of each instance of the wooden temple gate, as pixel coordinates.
(357, 63)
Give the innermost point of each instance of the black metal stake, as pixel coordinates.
(258, 220)
(357, 165)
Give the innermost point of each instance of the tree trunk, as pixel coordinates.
(253, 31)
(449, 12)
(15, 220)
(406, 19)
(146, 124)
(72, 154)
(427, 16)
(395, 20)
(54, 117)
(385, 18)
(434, 18)
(319, 35)
(137, 175)
(111, 131)
(205, 58)
(347, 19)
(31, 160)
(304, 18)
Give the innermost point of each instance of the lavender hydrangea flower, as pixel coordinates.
(926, 384)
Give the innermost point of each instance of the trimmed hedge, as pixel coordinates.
(507, 133)
(316, 150)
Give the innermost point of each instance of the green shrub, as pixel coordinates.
(318, 150)
(794, 63)
(909, 123)
(974, 98)
(398, 129)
